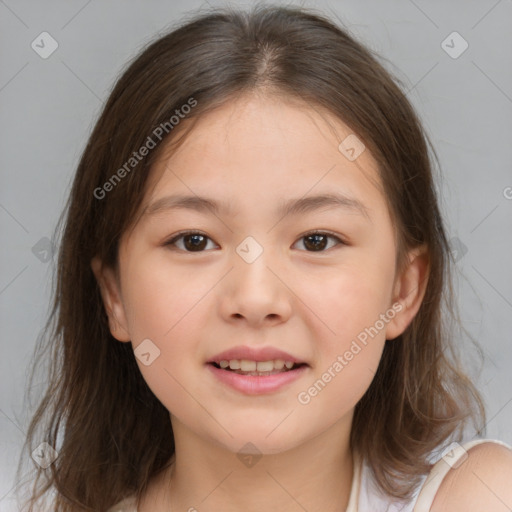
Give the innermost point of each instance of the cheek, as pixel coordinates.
(346, 361)
(351, 299)
(350, 339)
(160, 299)
(168, 308)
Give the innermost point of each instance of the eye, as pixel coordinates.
(194, 241)
(317, 240)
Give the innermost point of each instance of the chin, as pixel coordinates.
(259, 441)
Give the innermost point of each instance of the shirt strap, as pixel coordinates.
(127, 505)
(451, 459)
(356, 484)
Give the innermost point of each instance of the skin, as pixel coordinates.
(482, 482)
(255, 152)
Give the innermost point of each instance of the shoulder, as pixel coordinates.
(481, 482)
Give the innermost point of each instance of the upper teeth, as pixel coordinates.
(253, 366)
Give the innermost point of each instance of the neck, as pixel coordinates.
(315, 475)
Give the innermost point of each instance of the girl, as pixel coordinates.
(252, 291)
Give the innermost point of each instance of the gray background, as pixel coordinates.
(49, 106)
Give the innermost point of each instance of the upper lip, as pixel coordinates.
(254, 354)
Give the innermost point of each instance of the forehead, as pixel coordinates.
(257, 150)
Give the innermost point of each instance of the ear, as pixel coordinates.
(409, 290)
(110, 293)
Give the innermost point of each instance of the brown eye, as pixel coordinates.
(318, 241)
(192, 241)
(315, 242)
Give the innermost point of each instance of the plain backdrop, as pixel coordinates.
(49, 105)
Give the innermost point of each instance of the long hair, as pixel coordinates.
(111, 433)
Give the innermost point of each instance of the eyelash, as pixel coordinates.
(182, 234)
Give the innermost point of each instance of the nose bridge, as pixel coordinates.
(254, 290)
(253, 263)
(250, 250)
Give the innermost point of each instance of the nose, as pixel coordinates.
(255, 293)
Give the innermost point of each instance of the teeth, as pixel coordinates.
(265, 366)
(245, 365)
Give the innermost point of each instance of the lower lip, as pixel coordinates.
(257, 385)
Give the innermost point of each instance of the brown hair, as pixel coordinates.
(97, 400)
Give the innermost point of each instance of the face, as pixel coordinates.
(317, 281)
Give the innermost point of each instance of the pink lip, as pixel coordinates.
(254, 354)
(256, 385)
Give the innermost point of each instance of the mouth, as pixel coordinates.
(257, 368)
(257, 377)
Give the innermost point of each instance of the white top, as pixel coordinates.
(365, 496)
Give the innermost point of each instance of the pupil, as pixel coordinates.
(315, 245)
(197, 244)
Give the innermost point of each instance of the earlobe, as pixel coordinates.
(112, 302)
(409, 291)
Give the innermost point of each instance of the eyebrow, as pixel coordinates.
(298, 206)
